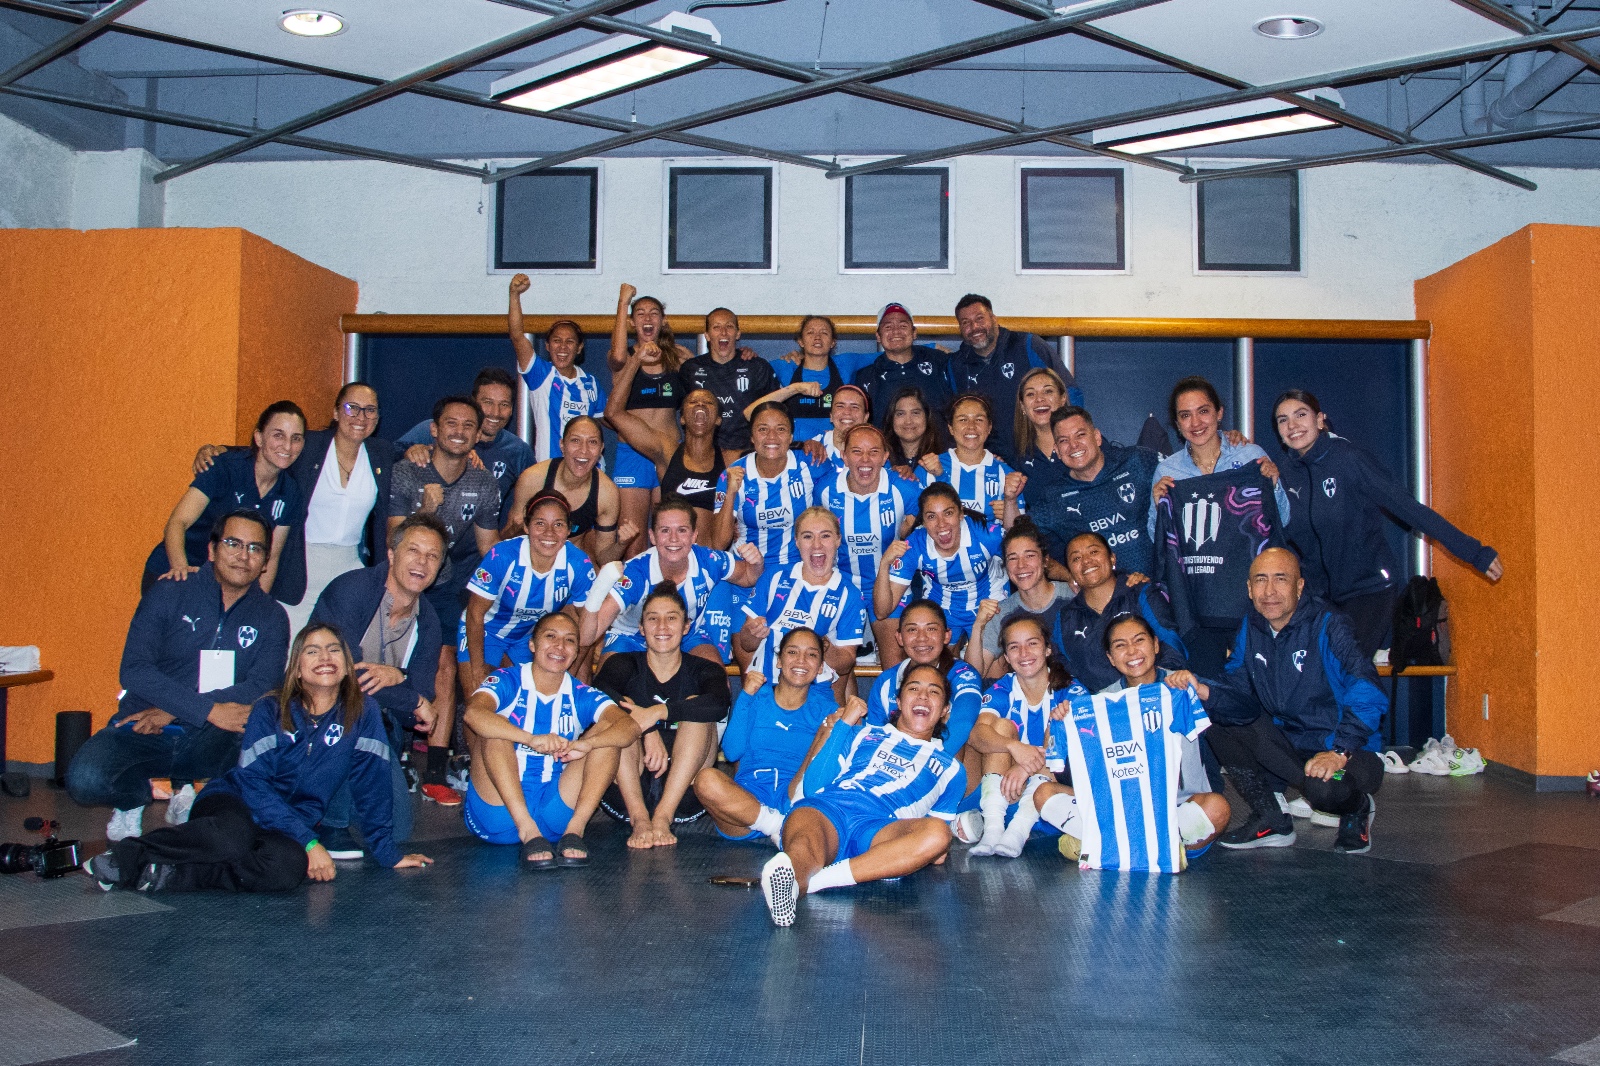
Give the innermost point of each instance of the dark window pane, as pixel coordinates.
(1072, 220)
(1250, 223)
(899, 219)
(547, 220)
(721, 218)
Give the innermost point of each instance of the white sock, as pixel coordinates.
(1061, 811)
(1193, 825)
(768, 823)
(836, 876)
(992, 802)
(1022, 822)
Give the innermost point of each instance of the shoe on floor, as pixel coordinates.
(154, 877)
(1393, 763)
(1071, 847)
(178, 806)
(339, 843)
(779, 889)
(1259, 833)
(1295, 808)
(443, 795)
(1355, 830)
(125, 824)
(103, 870)
(1432, 762)
(1464, 762)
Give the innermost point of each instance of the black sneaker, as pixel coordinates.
(339, 842)
(1259, 833)
(154, 877)
(104, 871)
(1355, 830)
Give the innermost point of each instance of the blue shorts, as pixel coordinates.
(856, 816)
(494, 649)
(494, 825)
(721, 616)
(633, 470)
(764, 783)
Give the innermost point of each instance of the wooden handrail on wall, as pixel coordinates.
(865, 326)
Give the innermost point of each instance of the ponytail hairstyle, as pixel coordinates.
(947, 658)
(665, 590)
(1196, 383)
(665, 340)
(281, 407)
(1057, 676)
(1307, 398)
(351, 697)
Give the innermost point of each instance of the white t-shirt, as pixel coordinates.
(338, 513)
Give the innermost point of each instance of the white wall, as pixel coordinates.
(35, 178)
(114, 190)
(416, 241)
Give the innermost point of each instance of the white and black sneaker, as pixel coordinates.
(780, 889)
(103, 870)
(1259, 833)
(1355, 830)
(339, 843)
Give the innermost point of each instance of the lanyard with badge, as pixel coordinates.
(217, 665)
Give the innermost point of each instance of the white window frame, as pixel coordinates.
(491, 211)
(699, 163)
(1194, 224)
(1024, 165)
(950, 224)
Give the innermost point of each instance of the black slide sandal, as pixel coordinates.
(537, 854)
(571, 840)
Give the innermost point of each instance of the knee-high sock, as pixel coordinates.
(1022, 822)
(1061, 811)
(837, 875)
(992, 802)
(768, 822)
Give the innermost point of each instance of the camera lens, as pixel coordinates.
(16, 858)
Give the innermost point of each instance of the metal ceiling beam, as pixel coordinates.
(1051, 27)
(1507, 17)
(69, 41)
(1396, 151)
(441, 92)
(779, 69)
(1370, 72)
(171, 118)
(1324, 109)
(378, 93)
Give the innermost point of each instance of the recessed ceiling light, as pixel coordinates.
(1288, 27)
(308, 22)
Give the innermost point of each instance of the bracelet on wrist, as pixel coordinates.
(315, 843)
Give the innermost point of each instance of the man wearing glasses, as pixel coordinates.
(343, 477)
(198, 654)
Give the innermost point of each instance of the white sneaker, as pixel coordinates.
(1465, 762)
(1432, 762)
(1295, 808)
(1323, 818)
(125, 824)
(779, 889)
(1393, 763)
(178, 806)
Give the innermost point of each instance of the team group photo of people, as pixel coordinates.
(854, 609)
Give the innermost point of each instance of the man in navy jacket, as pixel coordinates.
(993, 360)
(1106, 490)
(394, 638)
(199, 652)
(1298, 704)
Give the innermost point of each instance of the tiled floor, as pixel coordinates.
(1470, 934)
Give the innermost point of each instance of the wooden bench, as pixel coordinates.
(15, 784)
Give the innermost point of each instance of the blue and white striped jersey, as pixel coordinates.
(707, 567)
(966, 700)
(978, 486)
(835, 456)
(553, 401)
(766, 508)
(909, 778)
(1007, 699)
(868, 522)
(519, 595)
(787, 601)
(959, 582)
(566, 714)
(1125, 749)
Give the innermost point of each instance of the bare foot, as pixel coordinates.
(644, 836)
(663, 837)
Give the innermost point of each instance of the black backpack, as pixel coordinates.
(1421, 626)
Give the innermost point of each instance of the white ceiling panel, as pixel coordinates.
(382, 38)
(1220, 34)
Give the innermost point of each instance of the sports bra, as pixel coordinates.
(698, 488)
(586, 515)
(648, 390)
(814, 406)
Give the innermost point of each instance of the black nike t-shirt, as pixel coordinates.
(698, 692)
(736, 384)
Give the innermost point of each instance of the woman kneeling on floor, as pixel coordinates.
(254, 830)
(878, 799)
(545, 746)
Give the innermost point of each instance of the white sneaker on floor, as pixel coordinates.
(1323, 818)
(1432, 762)
(1295, 808)
(125, 824)
(1465, 762)
(178, 806)
(1393, 763)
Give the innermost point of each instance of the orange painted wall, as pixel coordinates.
(125, 350)
(1512, 354)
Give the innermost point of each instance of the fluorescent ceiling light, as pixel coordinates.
(605, 68)
(307, 22)
(1216, 125)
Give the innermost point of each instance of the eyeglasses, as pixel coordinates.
(356, 410)
(233, 544)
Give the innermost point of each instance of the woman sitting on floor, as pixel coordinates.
(768, 735)
(254, 830)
